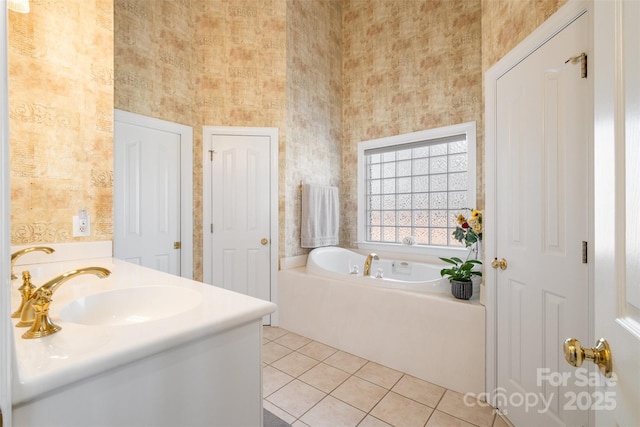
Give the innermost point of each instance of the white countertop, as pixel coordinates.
(80, 351)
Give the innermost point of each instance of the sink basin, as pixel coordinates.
(130, 306)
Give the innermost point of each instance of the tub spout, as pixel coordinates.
(367, 264)
(18, 254)
(36, 310)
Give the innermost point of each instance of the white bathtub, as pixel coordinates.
(425, 333)
(341, 264)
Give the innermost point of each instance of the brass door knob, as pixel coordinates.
(502, 263)
(600, 355)
(264, 241)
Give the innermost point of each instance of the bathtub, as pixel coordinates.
(414, 325)
(343, 264)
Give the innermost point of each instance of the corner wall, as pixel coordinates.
(314, 108)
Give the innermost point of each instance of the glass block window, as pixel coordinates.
(417, 188)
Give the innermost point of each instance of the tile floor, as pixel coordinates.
(307, 383)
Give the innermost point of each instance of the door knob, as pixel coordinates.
(502, 263)
(264, 241)
(600, 355)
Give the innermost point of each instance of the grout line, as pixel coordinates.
(350, 375)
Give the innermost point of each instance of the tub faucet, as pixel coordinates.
(367, 264)
(18, 254)
(36, 310)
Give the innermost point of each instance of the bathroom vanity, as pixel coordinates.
(139, 347)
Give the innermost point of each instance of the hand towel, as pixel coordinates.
(320, 216)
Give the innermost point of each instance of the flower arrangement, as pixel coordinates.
(469, 230)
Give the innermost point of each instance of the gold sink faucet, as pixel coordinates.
(367, 264)
(36, 310)
(18, 254)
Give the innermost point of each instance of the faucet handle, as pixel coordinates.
(26, 290)
(42, 324)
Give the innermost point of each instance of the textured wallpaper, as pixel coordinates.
(203, 63)
(327, 73)
(505, 23)
(314, 107)
(407, 66)
(61, 119)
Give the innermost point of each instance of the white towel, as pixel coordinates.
(320, 216)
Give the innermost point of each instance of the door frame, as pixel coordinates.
(207, 217)
(6, 326)
(186, 179)
(568, 13)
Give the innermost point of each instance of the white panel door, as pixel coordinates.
(542, 219)
(147, 197)
(617, 210)
(241, 233)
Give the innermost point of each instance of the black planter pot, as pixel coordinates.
(461, 289)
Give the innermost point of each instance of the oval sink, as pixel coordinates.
(130, 306)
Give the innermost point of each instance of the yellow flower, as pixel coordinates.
(461, 219)
(477, 228)
(475, 213)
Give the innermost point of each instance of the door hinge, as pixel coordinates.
(211, 153)
(584, 252)
(583, 63)
(211, 228)
(177, 245)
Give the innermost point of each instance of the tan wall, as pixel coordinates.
(60, 119)
(314, 107)
(505, 23)
(404, 66)
(199, 63)
(407, 66)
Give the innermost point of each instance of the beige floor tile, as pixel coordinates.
(273, 379)
(324, 377)
(370, 421)
(419, 390)
(295, 364)
(476, 413)
(280, 413)
(345, 361)
(500, 422)
(317, 350)
(440, 419)
(272, 352)
(299, 424)
(293, 341)
(271, 333)
(359, 393)
(296, 398)
(400, 411)
(378, 374)
(331, 412)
